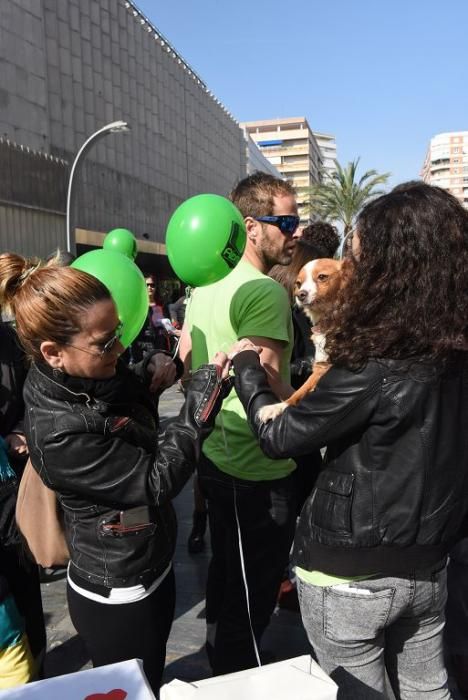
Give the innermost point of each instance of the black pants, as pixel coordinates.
(138, 630)
(23, 578)
(267, 515)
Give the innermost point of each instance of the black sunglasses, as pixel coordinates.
(287, 223)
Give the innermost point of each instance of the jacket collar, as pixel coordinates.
(124, 387)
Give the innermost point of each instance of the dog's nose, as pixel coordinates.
(302, 295)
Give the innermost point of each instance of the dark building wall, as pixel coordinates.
(69, 67)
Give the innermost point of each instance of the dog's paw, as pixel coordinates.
(271, 412)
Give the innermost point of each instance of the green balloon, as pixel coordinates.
(125, 282)
(205, 239)
(121, 240)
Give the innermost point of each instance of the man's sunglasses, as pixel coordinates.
(286, 223)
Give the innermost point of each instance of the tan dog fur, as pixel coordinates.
(316, 289)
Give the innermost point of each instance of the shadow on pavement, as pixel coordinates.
(67, 657)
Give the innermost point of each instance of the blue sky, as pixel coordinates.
(383, 76)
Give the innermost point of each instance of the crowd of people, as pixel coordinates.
(361, 489)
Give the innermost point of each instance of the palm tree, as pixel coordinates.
(341, 196)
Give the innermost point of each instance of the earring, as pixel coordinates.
(57, 372)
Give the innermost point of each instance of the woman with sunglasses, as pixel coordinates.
(92, 435)
(372, 540)
(157, 332)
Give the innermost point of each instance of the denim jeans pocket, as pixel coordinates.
(355, 614)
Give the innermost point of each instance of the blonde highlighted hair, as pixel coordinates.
(46, 299)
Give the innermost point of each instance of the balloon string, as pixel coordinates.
(188, 301)
(241, 548)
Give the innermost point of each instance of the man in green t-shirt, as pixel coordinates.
(234, 474)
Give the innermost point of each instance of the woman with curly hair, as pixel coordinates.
(372, 541)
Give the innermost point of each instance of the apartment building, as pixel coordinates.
(291, 146)
(327, 145)
(256, 160)
(446, 163)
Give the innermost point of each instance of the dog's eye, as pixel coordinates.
(322, 278)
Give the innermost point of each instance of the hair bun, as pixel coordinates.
(14, 272)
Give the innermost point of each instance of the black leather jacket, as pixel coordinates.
(393, 492)
(96, 445)
(12, 375)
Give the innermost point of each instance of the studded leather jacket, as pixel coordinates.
(95, 443)
(393, 492)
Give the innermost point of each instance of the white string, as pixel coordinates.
(239, 534)
(188, 296)
(241, 551)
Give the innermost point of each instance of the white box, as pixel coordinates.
(122, 681)
(300, 678)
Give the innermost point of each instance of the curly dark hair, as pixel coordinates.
(407, 297)
(322, 236)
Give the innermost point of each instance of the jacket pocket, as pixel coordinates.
(331, 501)
(112, 526)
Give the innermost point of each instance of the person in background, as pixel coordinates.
(20, 597)
(92, 435)
(323, 237)
(63, 258)
(17, 665)
(392, 498)
(21, 585)
(456, 636)
(154, 335)
(177, 310)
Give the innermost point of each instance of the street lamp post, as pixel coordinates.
(111, 128)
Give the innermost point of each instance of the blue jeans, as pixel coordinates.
(395, 624)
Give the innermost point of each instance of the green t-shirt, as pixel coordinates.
(320, 578)
(245, 303)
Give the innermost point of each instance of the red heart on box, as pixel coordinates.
(116, 694)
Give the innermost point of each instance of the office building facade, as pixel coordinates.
(68, 69)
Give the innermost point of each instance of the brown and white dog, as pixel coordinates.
(316, 289)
